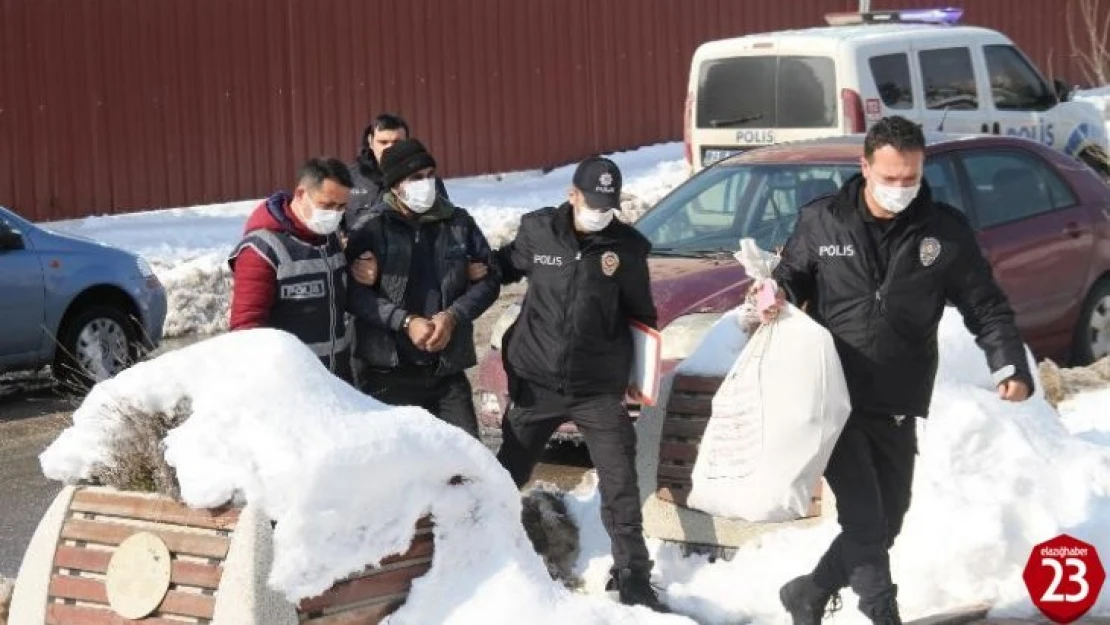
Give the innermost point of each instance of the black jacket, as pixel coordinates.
(884, 319)
(380, 311)
(367, 191)
(572, 334)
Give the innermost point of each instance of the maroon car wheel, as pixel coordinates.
(1092, 340)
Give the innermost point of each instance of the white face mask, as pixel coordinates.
(894, 199)
(419, 195)
(590, 220)
(321, 221)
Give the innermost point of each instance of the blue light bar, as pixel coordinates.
(947, 16)
(934, 16)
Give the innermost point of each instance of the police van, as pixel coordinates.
(761, 89)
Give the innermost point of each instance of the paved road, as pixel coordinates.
(30, 419)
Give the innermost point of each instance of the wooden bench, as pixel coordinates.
(98, 520)
(688, 410)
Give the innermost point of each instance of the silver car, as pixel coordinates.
(86, 309)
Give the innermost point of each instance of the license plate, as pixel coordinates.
(712, 155)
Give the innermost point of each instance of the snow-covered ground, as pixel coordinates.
(188, 247)
(993, 479)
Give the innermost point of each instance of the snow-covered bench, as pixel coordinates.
(100, 555)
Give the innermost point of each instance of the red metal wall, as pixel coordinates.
(117, 105)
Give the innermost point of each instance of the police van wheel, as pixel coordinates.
(1092, 331)
(94, 345)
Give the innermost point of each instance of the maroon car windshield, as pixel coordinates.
(713, 211)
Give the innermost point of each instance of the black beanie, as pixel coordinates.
(403, 159)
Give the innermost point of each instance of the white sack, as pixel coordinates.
(775, 418)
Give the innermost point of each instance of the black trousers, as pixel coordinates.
(871, 474)
(537, 412)
(447, 397)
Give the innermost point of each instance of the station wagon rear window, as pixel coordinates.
(767, 92)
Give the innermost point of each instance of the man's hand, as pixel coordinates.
(443, 324)
(477, 271)
(633, 392)
(773, 308)
(365, 269)
(420, 332)
(1013, 390)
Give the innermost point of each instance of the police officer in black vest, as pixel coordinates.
(569, 353)
(415, 329)
(876, 263)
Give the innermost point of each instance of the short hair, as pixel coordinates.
(389, 121)
(897, 132)
(316, 170)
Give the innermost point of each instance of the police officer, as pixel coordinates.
(289, 269)
(569, 353)
(876, 263)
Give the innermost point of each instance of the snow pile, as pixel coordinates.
(188, 247)
(300, 444)
(992, 480)
(1085, 416)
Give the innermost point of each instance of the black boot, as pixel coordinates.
(882, 609)
(634, 588)
(806, 601)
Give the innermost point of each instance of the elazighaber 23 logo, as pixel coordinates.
(1064, 577)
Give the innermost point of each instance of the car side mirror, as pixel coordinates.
(10, 239)
(1063, 91)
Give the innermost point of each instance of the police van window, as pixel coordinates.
(767, 92)
(892, 78)
(940, 174)
(1011, 185)
(949, 79)
(1015, 85)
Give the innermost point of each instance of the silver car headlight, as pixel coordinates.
(502, 325)
(683, 335)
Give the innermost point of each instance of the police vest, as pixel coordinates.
(310, 302)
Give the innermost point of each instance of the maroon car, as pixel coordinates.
(1043, 221)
